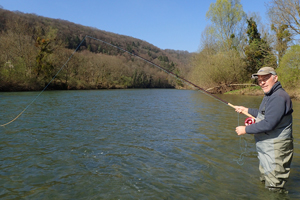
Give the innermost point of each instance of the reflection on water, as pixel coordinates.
(131, 144)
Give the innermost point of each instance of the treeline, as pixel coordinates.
(235, 45)
(34, 48)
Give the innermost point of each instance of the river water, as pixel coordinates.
(131, 144)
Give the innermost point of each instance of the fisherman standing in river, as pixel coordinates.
(272, 130)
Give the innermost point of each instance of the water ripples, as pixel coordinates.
(126, 144)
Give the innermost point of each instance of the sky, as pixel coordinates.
(167, 24)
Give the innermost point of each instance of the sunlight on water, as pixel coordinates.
(131, 144)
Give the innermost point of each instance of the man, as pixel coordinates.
(272, 130)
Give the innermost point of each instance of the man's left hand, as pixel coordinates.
(240, 130)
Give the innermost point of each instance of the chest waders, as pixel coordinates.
(275, 152)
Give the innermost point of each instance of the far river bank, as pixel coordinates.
(257, 91)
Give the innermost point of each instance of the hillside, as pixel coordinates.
(34, 48)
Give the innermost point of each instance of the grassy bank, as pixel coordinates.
(257, 91)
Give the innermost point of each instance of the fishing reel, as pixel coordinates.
(249, 121)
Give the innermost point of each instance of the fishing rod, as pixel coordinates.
(248, 121)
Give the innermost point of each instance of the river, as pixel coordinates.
(131, 144)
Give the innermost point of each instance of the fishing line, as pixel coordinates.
(44, 87)
(172, 74)
(148, 61)
(243, 147)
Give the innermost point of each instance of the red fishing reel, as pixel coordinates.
(249, 121)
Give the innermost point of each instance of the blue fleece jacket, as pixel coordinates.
(277, 104)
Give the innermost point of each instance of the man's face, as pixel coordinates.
(266, 82)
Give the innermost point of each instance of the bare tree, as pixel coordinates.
(285, 12)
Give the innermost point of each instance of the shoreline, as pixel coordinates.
(256, 91)
(250, 91)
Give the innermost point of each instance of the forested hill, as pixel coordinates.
(34, 48)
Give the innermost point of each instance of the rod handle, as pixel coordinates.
(247, 114)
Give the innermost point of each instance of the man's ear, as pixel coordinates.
(275, 78)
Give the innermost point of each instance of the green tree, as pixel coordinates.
(178, 81)
(129, 48)
(46, 43)
(252, 31)
(258, 51)
(43, 66)
(89, 47)
(76, 42)
(283, 38)
(227, 22)
(212, 68)
(289, 67)
(16, 53)
(31, 53)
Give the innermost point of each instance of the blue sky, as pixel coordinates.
(167, 24)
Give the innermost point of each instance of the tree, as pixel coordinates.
(46, 44)
(283, 38)
(219, 60)
(31, 53)
(212, 68)
(252, 31)
(285, 12)
(227, 22)
(289, 68)
(258, 51)
(16, 52)
(43, 66)
(208, 41)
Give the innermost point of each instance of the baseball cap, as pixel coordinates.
(264, 71)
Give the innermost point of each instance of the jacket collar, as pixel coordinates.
(275, 87)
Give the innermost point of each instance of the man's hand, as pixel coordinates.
(241, 109)
(240, 130)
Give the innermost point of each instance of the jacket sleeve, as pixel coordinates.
(253, 112)
(274, 111)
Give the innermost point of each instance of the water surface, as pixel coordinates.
(131, 144)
